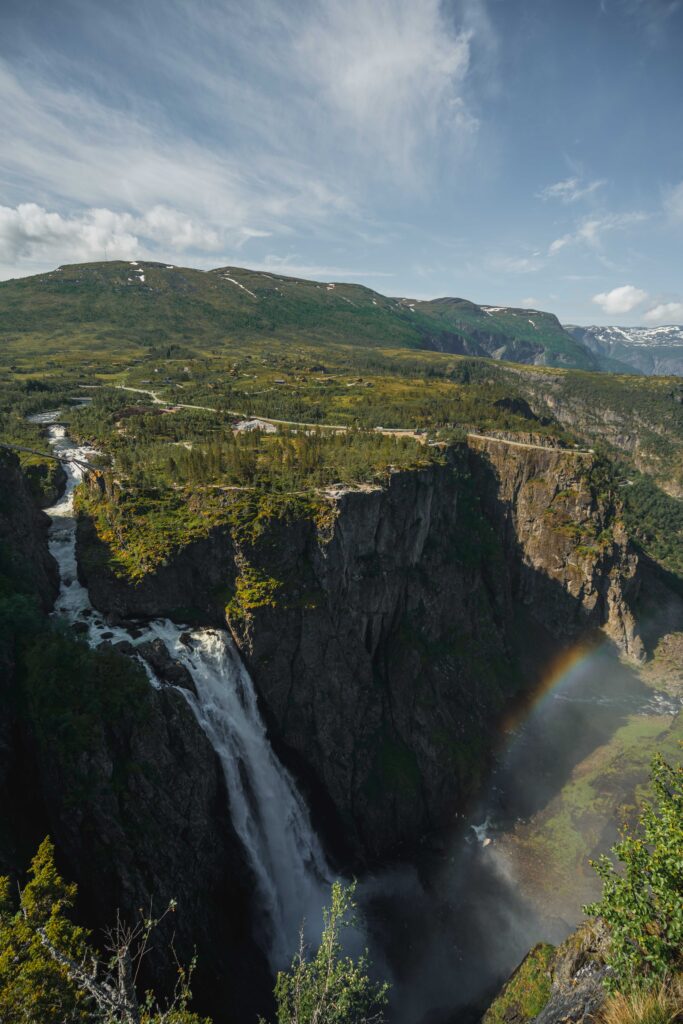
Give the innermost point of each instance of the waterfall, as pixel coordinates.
(266, 809)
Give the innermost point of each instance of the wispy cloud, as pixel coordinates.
(591, 230)
(673, 202)
(262, 119)
(517, 264)
(620, 300)
(570, 190)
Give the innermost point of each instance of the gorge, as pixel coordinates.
(399, 636)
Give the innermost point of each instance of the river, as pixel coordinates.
(514, 872)
(267, 811)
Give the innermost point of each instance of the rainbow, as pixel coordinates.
(563, 671)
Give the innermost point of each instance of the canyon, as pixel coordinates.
(396, 632)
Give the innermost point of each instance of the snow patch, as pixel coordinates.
(233, 281)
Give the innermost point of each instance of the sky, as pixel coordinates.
(512, 152)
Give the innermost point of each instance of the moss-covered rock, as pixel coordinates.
(527, 991)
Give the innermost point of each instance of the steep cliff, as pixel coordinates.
(643, 419)
(136, 802)
(23, 534)
(28, 586)
(571, 561)
(385, 643)
(120, 775)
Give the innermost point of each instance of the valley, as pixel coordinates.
(317, 603)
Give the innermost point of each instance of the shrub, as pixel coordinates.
(330, 988)
(642, 903)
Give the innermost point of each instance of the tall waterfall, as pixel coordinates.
(267, 812)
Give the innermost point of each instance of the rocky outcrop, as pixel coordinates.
(189, 588)
(564, 986)
(385, 647)
(571, 561)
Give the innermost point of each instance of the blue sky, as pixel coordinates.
(522, 152)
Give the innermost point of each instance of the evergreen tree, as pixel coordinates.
(34, 987)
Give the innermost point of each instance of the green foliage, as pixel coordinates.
(109, 302)
(330, 988)
(527, 991)
(50, 973)
(253, 589)
(33, 985)
(655, 521)
(72, 692)
(642, 903)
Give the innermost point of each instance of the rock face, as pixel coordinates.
(23, 534)
(140, 819)
(135, 801)
(564, 986)
(572, 564)
(28, 584)
(388, 645)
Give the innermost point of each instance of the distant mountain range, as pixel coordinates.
(143, 303)
(649, 350)
(146, 304)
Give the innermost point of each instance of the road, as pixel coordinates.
(391, 431)
(528, 444)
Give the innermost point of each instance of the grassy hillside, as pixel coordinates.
(145, 304)
(310, 353)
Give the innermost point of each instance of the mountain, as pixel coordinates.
(147, 303)
(649, 350)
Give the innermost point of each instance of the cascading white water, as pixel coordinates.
(266, 809)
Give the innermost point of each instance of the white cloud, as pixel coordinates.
(559, 243)
(620, 300)
(249, 121)
(570, 190)
(665, 313)
(673, 202)
(29, 231)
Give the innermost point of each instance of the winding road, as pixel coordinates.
(392, 431)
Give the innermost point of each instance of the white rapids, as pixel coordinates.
(266, 809)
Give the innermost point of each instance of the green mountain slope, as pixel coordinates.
(151, 303)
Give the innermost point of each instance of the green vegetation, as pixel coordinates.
(245, 344)
(67, 702)
(551, 851)
(654, 520)
(157, 306)
(253, 589)
(642, 903)
(330, 988)
(527, 991)
(33, 985)
(50, 972)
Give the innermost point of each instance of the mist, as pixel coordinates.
(449, 931)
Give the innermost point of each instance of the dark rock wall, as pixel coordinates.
(391, 645)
